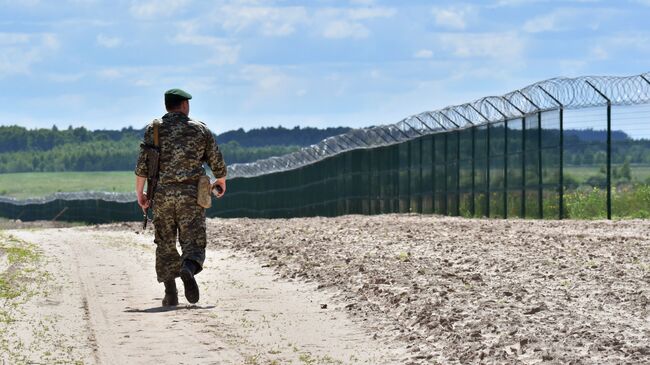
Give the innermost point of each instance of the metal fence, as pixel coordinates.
(561, 148)
(502, 156)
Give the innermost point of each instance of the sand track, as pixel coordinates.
(103, 304)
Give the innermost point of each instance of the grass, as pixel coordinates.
(628, 202)
(22, 279)
(39, 184)
(19, 254)
(640, 173)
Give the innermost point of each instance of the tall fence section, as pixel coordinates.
(560, 148)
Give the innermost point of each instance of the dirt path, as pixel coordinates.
(101, 305)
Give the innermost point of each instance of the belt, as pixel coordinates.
(183, 182)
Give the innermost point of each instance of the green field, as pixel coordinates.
(640, 173)
(38, 184)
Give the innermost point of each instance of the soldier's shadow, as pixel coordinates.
(167, 309)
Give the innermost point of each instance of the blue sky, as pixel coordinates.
(252, 63)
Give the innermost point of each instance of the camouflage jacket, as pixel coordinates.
(184, 146)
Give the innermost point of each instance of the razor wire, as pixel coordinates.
(570, 93)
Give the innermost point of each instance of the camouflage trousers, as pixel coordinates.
(176, 213)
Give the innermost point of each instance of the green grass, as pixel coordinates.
(38, 184)
(19, 254)
(640, 173)
(630, 202)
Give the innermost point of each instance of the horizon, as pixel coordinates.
(252, 64)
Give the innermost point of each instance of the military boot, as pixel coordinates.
(187, 275)
(171, 294)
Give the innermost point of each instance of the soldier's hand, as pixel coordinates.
(220, 187)
(143, 202)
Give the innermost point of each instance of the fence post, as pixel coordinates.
(609, 149)
(421, 185)
(561, 190)
(446, 174)
(540, 191)
(458, 173)
(487, 172)
(505, 171)
(472, 203)
(433, 173)
(523, 167)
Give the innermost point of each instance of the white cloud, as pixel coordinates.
(370, 13)
(423, 53)
(14, 38)
(156, 8)
(340, 23)
(19, 51)
(111, 73)
(277, 21)
(23, 3)
(568, 18)
(272, 21)
(65, 78)
(268, 83)
(224, 52)
(637, 43)
(345, 29)
(572, 67)
(452, 17)
(599, 53)
(481, 45)
(107, 41)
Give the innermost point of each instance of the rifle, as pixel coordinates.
(153, 167)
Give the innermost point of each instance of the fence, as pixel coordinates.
(576, 148)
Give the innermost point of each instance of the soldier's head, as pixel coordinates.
(177, 100)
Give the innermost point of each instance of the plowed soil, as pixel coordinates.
(391, 289)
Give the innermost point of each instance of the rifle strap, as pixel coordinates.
(156, 141)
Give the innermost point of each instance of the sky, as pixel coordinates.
(254, 63)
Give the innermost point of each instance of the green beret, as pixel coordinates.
(176, 95)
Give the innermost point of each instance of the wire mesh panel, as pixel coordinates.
(404, 178)
(341, 188)
(364, 192)
(452, 143)
(631, 161)
(426, 171)
(355, 187)
(551, 188)
(497, 144)
(481, 206)
(585, 162)
(375, 182)
(466, 172)
(515, 166)
(532, 163)
(440, 173)
(415, 176)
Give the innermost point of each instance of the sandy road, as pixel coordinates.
(101, 305)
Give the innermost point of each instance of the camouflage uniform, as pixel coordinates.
(184, 146)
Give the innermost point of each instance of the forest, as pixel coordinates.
(80, 149)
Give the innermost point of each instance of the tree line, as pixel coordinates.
(16, 138)
(113, 156)
(79, 149)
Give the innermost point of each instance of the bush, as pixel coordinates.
(630, 201)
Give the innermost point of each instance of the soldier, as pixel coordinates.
(185, 145)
